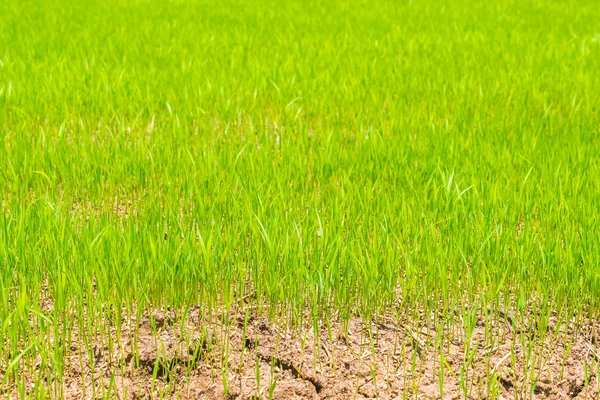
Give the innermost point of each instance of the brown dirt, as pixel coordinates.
(380, 359)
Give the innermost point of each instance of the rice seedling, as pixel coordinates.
(331, 199)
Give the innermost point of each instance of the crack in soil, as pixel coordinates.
(296, 373)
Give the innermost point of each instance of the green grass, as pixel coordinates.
(335, 158)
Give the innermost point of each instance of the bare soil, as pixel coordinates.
(237, 358)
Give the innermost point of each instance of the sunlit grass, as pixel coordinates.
(323, 160)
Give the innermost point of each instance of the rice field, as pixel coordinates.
(300, 199)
